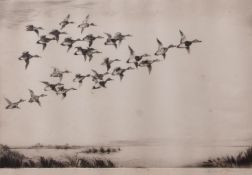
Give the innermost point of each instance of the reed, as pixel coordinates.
(242, 160)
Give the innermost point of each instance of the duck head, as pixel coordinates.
(92, 24)
(77, 75)
(67, 71)
(99, 37)
(196, 41)
(36, 56)
(43, 95)
(145, 55)
(129, 68)
(171, 46)
(109, 79)
(21, 100)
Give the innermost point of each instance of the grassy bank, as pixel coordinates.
(13, 159)
(242, 160)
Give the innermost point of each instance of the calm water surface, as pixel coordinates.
(146, 156)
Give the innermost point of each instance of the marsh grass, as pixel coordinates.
(10, 159)
(13, 159)
(243, 159)
(74, 161)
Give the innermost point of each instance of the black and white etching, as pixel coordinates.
(132, 84)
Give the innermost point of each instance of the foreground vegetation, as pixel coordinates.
(13, 159)
(242, 160)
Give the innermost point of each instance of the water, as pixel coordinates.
(145, 156)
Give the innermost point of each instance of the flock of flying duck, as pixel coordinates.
(100, 79)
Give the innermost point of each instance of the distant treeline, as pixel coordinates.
(14, 159)
(41, 146)
(66, 146)
(101, 150)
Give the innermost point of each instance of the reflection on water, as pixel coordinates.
(146, 156)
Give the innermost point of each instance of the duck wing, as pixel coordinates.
(115, 45)
(56, 37)
(90, 57)
(55, 70)
(160, 44)
(188, 49)
(69, 47)
(86, 19)
(108, 35)
(45, 82)
(31, 92)
(64, 95)
(108, 67)
(63, 24)
(96, 73)
(61, 77)
(131, 51)
(105, 61)
(36, 31)
(37, 101)
(149, 66)
(90, 43)
(183, 37)
(8, 101)
(44, 46)
(27, 63)
(82, 29)
(21, 57)
(85, 57)
(121, 75)
(67, 17)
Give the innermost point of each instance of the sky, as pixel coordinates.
(200, 98)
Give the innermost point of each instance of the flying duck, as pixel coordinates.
(119, 37)
(110, 40)
(135, 58)
(85, 52)
(63, 91)
(44, 40)
(162, 50)
(90, 53)
(69, 42)
(50, 86)
(13, 105)
(56, 33)
(148, 64)
(26, 56)
(58, 73)
(98, 76)
(101, 83)
(107, 62)
(120, 71)
(85, 24)
(90, 39)
(80, 78)
(35, 98)
(184, 43)
(65, 22)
